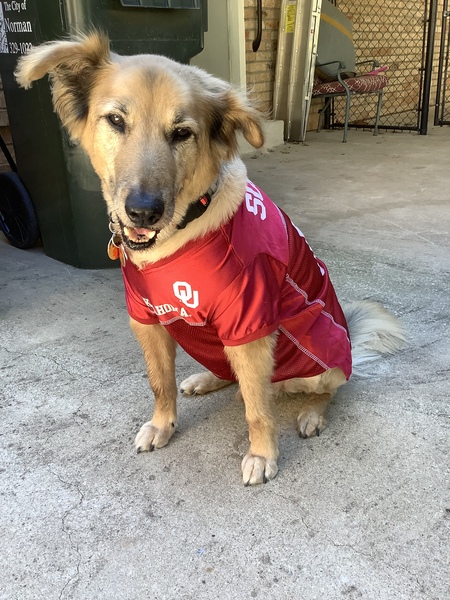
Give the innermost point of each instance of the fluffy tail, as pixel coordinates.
(373, 332)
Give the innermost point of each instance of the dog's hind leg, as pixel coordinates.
(319, 391)
(202, 383)
(253, 364)
(311, 419)
(159, 350)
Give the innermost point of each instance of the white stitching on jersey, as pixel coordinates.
(178, 317)
(336, 324)
(303, 293)
(316, 301)
(295, 341)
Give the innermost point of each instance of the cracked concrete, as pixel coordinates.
(363, 511)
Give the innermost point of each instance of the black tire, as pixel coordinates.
(18, 219)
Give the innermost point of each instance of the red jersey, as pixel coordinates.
(253, 276)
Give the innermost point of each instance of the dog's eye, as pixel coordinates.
(180, 134)
(116, 121)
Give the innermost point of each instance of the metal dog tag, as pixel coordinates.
(116, 250)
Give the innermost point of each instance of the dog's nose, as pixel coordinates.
(144, 209)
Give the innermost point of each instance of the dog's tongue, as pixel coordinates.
(144, 232)
(137, 234)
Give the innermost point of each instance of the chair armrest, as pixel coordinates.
(341, 66)
(331, 62)
(374, 63)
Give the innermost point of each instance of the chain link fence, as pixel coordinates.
(394, 34)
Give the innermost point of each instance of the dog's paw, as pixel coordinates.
(257, 469)
(150, 437)
(310, 423)
(202, 383)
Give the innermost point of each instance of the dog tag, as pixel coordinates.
(115, 249)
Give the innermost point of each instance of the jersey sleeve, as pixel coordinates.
(248, 309)
(137, 309)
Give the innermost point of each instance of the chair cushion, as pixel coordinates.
(364, 84)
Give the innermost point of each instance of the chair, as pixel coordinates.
(373, 82)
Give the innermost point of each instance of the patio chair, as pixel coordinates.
(372, 82)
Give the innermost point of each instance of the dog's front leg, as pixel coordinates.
(159, 350)
(253, 364)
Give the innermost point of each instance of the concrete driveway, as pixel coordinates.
(363, 511)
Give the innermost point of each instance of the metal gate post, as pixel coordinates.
(423, 126)
(442, 68)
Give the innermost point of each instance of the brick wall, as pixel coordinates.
(261, 64)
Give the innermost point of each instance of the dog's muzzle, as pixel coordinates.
(144, 210)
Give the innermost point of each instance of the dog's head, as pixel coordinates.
(157, 132)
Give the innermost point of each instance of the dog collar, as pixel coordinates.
(199, 207)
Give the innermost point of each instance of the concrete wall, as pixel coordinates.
(215, 56)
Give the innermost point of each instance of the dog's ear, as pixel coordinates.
(230, 112)
(72, 67)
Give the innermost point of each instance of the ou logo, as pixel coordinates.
(184, 292)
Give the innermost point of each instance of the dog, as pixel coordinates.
(209, 262)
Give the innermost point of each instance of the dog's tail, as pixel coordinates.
(374, 331)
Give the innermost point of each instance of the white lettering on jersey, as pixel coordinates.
(184, 292)
(254, 201)
(160, 309)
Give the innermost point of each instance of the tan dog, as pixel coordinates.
(162, 138)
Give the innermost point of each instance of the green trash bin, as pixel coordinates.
(62, 184)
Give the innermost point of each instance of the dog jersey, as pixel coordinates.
(254, 276)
